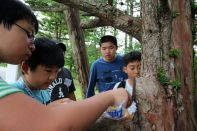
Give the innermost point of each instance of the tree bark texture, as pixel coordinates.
(167, 25)
(78, 46)
(182, 38)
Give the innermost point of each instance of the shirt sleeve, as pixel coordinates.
(129, 89)
(116, 85)
(6, 89)
(92, 82)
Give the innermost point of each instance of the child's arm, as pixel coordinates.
(20, 112)
(92, 82)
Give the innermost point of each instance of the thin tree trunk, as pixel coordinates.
(78, 46)
(150, 109)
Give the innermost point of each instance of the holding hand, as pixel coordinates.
(120, 95)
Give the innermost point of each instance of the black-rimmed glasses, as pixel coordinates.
(29, 35)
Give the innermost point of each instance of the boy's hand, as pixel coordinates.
(120, 95)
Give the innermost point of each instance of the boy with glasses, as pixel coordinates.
(30, 35)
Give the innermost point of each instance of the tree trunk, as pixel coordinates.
(156, 109)
(78, 47)
(167, 26)
(182, 38)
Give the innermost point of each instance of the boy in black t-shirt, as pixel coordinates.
(63, 86)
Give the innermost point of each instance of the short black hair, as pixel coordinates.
(108, 38)
(62, 46)
(47, 53)
(131, 57)
(12, 11)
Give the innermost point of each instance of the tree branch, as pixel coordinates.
(58, 8)
(112, 16)
(93, 23)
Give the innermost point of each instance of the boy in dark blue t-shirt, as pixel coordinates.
(108, 70)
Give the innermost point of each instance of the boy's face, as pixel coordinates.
(132, 69)
(108, 51)
(41, 77)
(16, 44)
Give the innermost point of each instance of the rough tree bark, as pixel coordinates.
(156, 111)
(78, 47)
(182, 38)
(167, 26)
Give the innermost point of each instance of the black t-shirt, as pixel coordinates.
(62, 85)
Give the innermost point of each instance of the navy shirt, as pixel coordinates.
(105, 75)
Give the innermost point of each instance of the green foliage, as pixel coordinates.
(194, 7)
(136, 46)
(92, 43)
(53, 26)
(175, 14)
(165, 81)
(176, 84)
(195, 35)
(195, 90)
(77, 92)
(40, 3)
(69, 62)
(3, 64)
(159, 11)
(175, 52)
(93, 53)
(162, 76)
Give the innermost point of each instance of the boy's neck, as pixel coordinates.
(131, 81)
(111, 60)
(28, 84)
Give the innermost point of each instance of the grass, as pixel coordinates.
(78, 90)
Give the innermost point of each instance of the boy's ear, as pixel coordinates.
(24, 68)
(125, 69)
